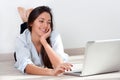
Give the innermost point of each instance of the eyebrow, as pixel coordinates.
(43, 19)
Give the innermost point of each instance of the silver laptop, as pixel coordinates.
(100, 57)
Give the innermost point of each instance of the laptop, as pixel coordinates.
(101, 56)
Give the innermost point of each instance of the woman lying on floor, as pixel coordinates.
(39, 49)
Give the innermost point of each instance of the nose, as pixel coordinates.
(45, 24)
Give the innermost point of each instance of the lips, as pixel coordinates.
(43, 30)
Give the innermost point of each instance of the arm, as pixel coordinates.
(55, 58)
(25, 64)
(33, 69)
(58, 64)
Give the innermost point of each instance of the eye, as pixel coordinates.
(49, 22)
(41, 21)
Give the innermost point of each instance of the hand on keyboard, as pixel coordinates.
(76, 68)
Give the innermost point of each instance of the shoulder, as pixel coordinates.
(25, 36)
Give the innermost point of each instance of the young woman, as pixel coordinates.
(39, 48)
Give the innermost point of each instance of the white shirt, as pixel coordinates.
(26, 52)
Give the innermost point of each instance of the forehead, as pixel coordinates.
(45, 15)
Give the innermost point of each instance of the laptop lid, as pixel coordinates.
(101, 57)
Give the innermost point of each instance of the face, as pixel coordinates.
(42, 24)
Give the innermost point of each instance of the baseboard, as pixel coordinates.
(75, 51)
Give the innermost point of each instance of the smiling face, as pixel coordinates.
(41, 24)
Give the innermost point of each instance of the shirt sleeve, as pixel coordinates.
(22, 54)
(57, 46)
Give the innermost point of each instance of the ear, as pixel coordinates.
(31, 24)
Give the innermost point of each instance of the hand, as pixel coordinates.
(45, 36)
(60, 69)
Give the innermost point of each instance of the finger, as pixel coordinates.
(66, 67)
(69, 64)
(48, 30)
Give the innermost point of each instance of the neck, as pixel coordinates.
(35, 39)
(36, 42)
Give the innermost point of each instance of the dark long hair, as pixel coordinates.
(33, 15)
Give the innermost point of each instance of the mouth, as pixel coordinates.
(43, 30)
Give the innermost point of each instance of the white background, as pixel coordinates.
(77, 21)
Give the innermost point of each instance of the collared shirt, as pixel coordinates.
(26, 52)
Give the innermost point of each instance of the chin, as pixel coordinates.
(41, 34)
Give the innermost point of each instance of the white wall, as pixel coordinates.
(77, 20)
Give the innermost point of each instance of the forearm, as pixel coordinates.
(33, 69)
(54, 58)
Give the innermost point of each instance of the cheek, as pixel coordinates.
(49, 26)
(37, 26)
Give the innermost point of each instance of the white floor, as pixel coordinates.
(8, 72)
